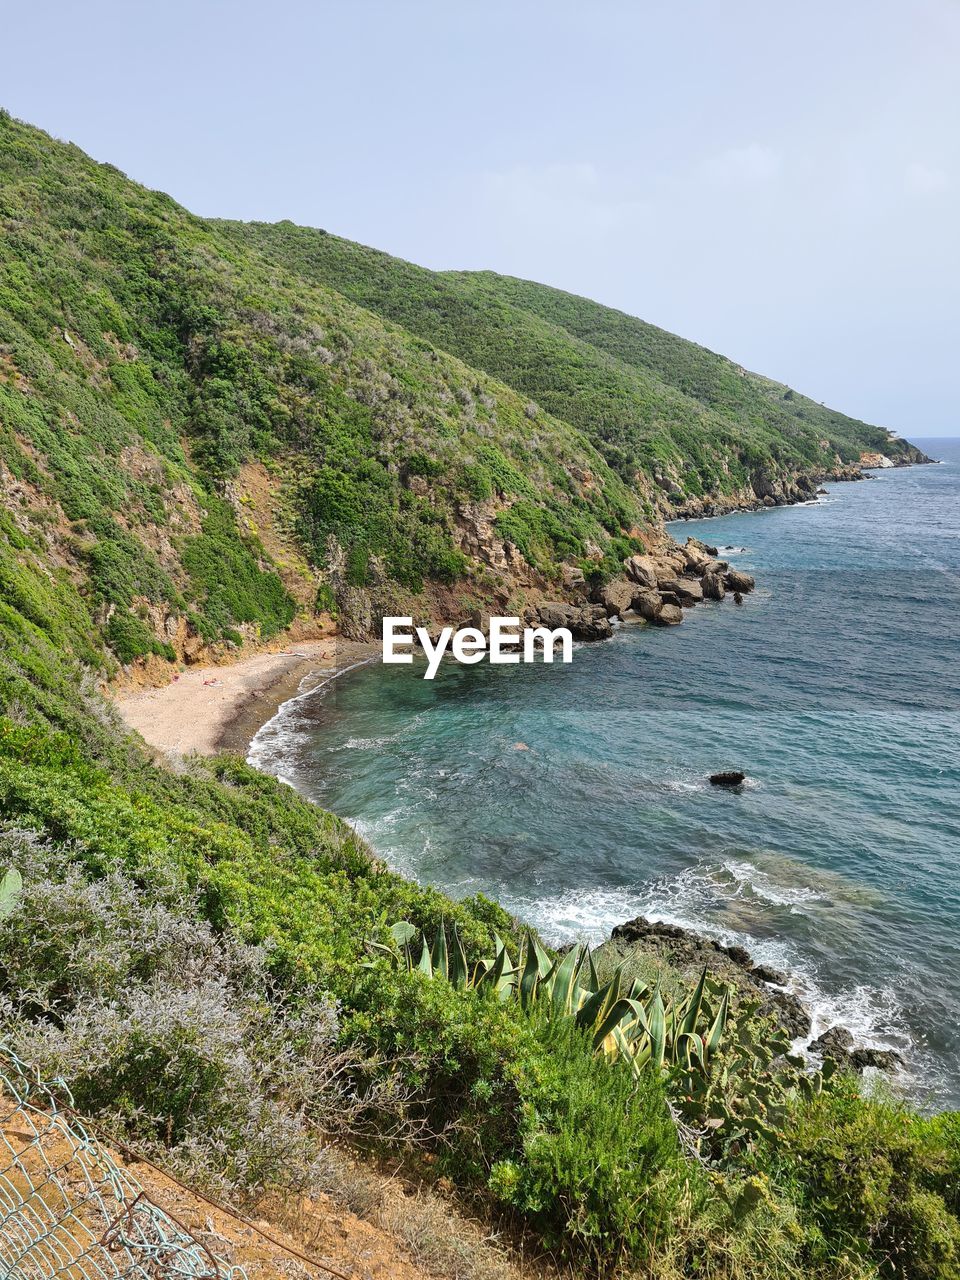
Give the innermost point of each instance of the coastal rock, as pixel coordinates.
(648, 604)
(712, 587)
(616, 597)
(834, 1044)
(555, 614)
(591, 623)
(728, 778)
(734, 580)
(641, 570)
(690, 952)
(687, 591)
(696, 560)
(837, 1045)
(878, 1059)
(670, 615)
(764, 973)
(716, 566)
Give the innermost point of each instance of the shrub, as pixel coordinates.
(129, 638)
(597, 1168)
(227, 580)
(867, 1176)
(176, 1033)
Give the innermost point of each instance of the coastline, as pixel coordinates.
(222, 707)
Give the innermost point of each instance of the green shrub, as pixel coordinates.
(598, 1169)
(129, 638)
(867, 1175)
(227, 581)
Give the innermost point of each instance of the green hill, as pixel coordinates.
(657, 407)
(203, 444)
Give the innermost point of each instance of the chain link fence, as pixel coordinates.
(68, 1210)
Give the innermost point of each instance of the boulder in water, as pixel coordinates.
(728, 778)
(670, 615)
(735, 580)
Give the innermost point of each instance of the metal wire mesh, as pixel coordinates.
(67, 1210)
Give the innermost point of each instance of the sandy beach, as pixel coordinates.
(220, 708)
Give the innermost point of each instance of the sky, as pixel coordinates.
(778, 182)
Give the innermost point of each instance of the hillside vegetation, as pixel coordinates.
(658, 407)
(221, 970)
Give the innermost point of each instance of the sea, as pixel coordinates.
(578, 795)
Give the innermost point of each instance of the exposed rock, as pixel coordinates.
(837, 1045)
(716, 566)
(591, 623)
(690, 953)
(648, 604)
(737, 581)
(670, 615)
(764, 973)
(834, 1044)
(729, 778)
(712, 587)
(737, 598)
(573, 578)
(616, 597)
(879, 1059)
(641, 570)
(556, 614)
(687, 591)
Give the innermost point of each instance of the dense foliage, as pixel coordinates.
(650, 401)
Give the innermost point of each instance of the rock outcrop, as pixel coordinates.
(587, 622)
(688, 952)
(837, 1045)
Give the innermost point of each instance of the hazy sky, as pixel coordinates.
(780, 182)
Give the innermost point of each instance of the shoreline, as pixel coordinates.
(222, 707)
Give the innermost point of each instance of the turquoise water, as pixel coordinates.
(836, 687)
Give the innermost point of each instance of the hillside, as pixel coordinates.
(203, 447)
(208, 446)
(689, 430)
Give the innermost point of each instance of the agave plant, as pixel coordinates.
(625, 1017)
